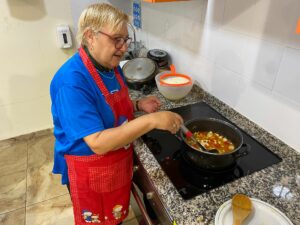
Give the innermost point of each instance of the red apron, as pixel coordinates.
(100, 184)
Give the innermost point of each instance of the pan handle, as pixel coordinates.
(178, 137)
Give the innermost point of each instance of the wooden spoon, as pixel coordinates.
(241, 208)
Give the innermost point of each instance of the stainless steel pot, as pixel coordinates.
(139, 73)
(161, 57)
(209, 160)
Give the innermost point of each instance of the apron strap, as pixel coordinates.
(93, 72)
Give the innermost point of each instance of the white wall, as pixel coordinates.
(29, 58)
(78, 6)
(245, 52)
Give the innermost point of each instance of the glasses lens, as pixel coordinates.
(119, 42)
(128, 41)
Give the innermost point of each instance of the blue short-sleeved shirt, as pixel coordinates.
(78, 109)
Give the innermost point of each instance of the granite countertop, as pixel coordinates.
(260, 185)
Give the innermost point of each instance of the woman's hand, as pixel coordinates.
(167, 120)
(148, 104)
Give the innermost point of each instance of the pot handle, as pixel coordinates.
(245, 149)
(178, 137)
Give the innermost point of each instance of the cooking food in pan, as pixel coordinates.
(212, 140)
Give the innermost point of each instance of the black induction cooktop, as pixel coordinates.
(190, 180)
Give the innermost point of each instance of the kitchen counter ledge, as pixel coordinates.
(266, 184)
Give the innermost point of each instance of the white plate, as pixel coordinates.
(262, 214)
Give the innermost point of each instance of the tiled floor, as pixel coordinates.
(29, 193)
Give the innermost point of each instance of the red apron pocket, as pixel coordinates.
(108, 178)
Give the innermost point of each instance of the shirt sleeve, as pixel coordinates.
(77, 112)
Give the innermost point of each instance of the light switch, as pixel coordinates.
(64, 36)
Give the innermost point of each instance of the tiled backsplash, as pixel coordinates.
(246, 53)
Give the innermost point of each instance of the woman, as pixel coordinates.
(93, 119)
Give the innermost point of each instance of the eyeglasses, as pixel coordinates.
(119, 41)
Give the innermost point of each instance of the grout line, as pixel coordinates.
(12, 210)
(14, 172)
(46, 200)
(25, 216)
(280, 64)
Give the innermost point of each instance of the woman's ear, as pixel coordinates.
(89, 37)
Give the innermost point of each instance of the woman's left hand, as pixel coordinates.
(149, 104)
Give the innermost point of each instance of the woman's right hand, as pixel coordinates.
(167, 120)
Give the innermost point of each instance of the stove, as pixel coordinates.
(190, 180)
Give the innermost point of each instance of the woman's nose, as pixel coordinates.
(124, 48)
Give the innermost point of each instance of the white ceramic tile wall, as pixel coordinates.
(274, 20)
(262, 61)
(245, 52)
(288, 78)
(238, 15)
(213, 12)
(230, 51)
(227, 85)
(273, 112)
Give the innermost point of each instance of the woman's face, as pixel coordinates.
(103, 46)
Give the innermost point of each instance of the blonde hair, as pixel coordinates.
(97, 16)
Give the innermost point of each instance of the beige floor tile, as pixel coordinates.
(40, 150)
(12, 191)
(43, 185)
(56, 211)
(13, 158)
(48, 202)
(7, 143)
(134, 205)
(133, 221)
(16, 217)
(130, 214)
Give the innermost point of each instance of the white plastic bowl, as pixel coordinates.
(172, 92)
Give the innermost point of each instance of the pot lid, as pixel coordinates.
(139, 69)
(157, 53)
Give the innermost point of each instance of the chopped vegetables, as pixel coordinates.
(212, 140)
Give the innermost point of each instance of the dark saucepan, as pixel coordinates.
(209, 160)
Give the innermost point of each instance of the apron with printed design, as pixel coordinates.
(100, 184)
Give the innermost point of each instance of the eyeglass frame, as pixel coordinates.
(116, 39)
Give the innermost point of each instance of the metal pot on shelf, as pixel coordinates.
(161, 58)
(213, 160)
(139, 74)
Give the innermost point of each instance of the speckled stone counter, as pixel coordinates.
(260, 185)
